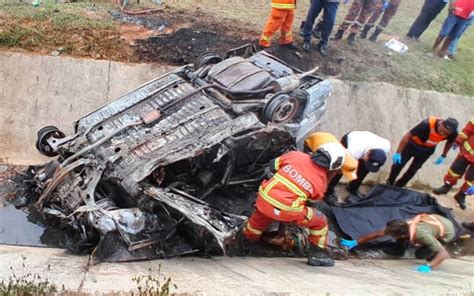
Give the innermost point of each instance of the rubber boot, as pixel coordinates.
(443, 189)
(364, 32)
(338, 35)
(374, 35)
(351, 38)
(317, 257)
(460, 198)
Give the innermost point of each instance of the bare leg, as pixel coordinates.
(444, 48)
(437, 42)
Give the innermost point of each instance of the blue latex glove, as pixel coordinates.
(397, 158)
(470, 191)
(350, 244)
(424, 268)
(345, 1)
(440, 160)
(385, 6)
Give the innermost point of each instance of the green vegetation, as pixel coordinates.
(26, 284)
(153, 284)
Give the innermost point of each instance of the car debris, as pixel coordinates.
(172, 167)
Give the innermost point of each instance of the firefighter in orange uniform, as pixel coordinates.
(298, 178)
(420, 143)
(462, 165)
(281, 17)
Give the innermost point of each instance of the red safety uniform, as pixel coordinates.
(464, 162)
(283, 198)
(281, 17)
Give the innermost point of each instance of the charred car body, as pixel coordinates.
(172, 167)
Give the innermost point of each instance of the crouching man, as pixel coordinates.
(298, 178)
(427, 232)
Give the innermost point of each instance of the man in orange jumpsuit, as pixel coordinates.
(299, 178)
(462, 165)
(281, 17)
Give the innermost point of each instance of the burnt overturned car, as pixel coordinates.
(172, 167)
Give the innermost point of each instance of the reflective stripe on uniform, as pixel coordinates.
(301, 195)
(309, 215)
(266, 38)
(283, 6)
(278, 204)
(468, 147)
(287, 34)
(453, 174)
(253, 230)
(277, 164)
(463, 135)
(321, 234)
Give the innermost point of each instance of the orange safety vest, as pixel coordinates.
(284, 4)
(296, 180)
(433, 139)
(427, 218)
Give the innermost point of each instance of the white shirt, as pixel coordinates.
(358, 142)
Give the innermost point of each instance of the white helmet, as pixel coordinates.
(330, 156)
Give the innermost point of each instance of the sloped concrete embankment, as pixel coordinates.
(36, 91)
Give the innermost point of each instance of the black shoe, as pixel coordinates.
(338, 35)
(364, 32)
(323, 50)
(351, 38)
(317, 257)
(306, 46)
(317, 33)
(443, 189)
(468, 225)
(374, 35)
(289, 46)
(460, 198)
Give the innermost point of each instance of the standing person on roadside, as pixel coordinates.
(329, 17)
(453, 26)
(462, 165)
(281, 17)
(453, 46)
(420, 143)
(387, 16)
(358, 13)
(429, 11)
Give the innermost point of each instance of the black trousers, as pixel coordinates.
(354, 185)
(419, 154)
(431, 8)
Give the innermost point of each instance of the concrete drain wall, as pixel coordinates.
(36, 91)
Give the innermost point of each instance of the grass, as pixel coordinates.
(85, 29)
(412, 69)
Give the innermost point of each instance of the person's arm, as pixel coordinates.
(406, 138)
(439, 258)
(447, 147)
(371, 236)
(466, 132)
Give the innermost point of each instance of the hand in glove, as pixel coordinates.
(440, 160)
(385, 5)
(470, 191)
(350, 244)
(397, 158)
(424, 269)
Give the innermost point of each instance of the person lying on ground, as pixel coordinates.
(427, 232)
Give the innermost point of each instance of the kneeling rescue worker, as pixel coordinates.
(427, 232)
(299, 178)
